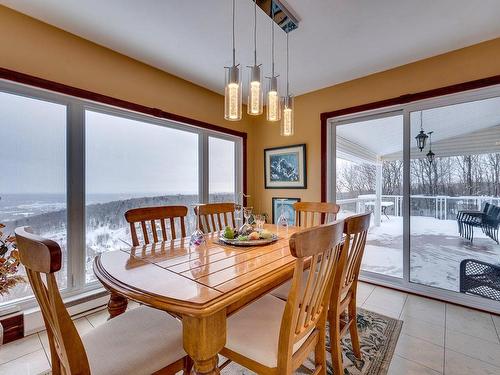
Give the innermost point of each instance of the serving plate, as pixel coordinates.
(260, 242)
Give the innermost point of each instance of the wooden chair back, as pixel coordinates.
(153, 219)
(42, 258)
(215, 216)
(355, 230)
(310, 214)
(307, 306)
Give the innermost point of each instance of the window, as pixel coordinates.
(33, 170)
(132, 164)
(221, 170)
(114, 159)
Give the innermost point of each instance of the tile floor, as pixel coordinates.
(437, 338)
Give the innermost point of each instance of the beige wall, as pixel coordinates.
(32, 47)
(478, 61)
(36, 48)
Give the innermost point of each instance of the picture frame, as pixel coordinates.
(285, 167)
(288, 202)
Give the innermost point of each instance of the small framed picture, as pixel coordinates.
(285, 167)
(285, 204)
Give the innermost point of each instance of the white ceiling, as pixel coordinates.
(337, 40)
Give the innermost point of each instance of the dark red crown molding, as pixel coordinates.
(403, 99)
(61, 88)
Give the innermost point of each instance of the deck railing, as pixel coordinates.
(440, 206)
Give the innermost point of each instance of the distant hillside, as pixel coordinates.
(109, 214)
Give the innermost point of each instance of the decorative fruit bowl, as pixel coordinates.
(251, 237)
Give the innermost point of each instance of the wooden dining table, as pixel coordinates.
(202, 285)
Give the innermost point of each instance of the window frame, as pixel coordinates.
(75, 172)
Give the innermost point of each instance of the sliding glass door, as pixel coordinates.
(369, 176)
(435, 203)
(453, 179)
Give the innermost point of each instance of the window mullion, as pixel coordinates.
(238, 169)
(76, 195)
(203, 167)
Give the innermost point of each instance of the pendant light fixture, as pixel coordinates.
(273, 104)
(255, 95)
(287, 125)
(232, 90)
(421, 137)
(430, 155)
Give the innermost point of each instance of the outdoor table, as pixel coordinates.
(202, 285)
(383, 205)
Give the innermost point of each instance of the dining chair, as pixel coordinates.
(140, 341)
(272, 336)
(342, 312)
(153, 219)
(214, 217)
(309, 214)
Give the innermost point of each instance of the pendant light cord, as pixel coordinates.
(421, 121)
(234, 50)
(287, 83)
(272, 39)
(255, 32)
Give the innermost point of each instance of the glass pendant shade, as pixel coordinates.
(273, 105)
(287, 121)
(255, 103)
(232, 94)
(421, 140)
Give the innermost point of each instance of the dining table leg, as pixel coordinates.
(203, 338)
(117, 305)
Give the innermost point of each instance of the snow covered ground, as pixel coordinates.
(436, 250)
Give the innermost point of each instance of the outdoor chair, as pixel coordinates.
(488, 220)
(480, 278)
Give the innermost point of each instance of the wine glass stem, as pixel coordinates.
(197, 218)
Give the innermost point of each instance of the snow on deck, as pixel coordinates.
(436, 250)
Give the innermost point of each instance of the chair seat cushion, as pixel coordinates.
(282, 291)
(139, 341)
(254, 331)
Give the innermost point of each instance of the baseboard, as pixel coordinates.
(13, 327)
(19, 324)
(77, 307)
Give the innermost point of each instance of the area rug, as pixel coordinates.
(378, 337)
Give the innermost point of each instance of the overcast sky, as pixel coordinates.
(122, 155)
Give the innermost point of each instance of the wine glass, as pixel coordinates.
(237, 213)
(282, 222)
(197, 237)
(247, 213)
(246, 227)
(259, 221)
